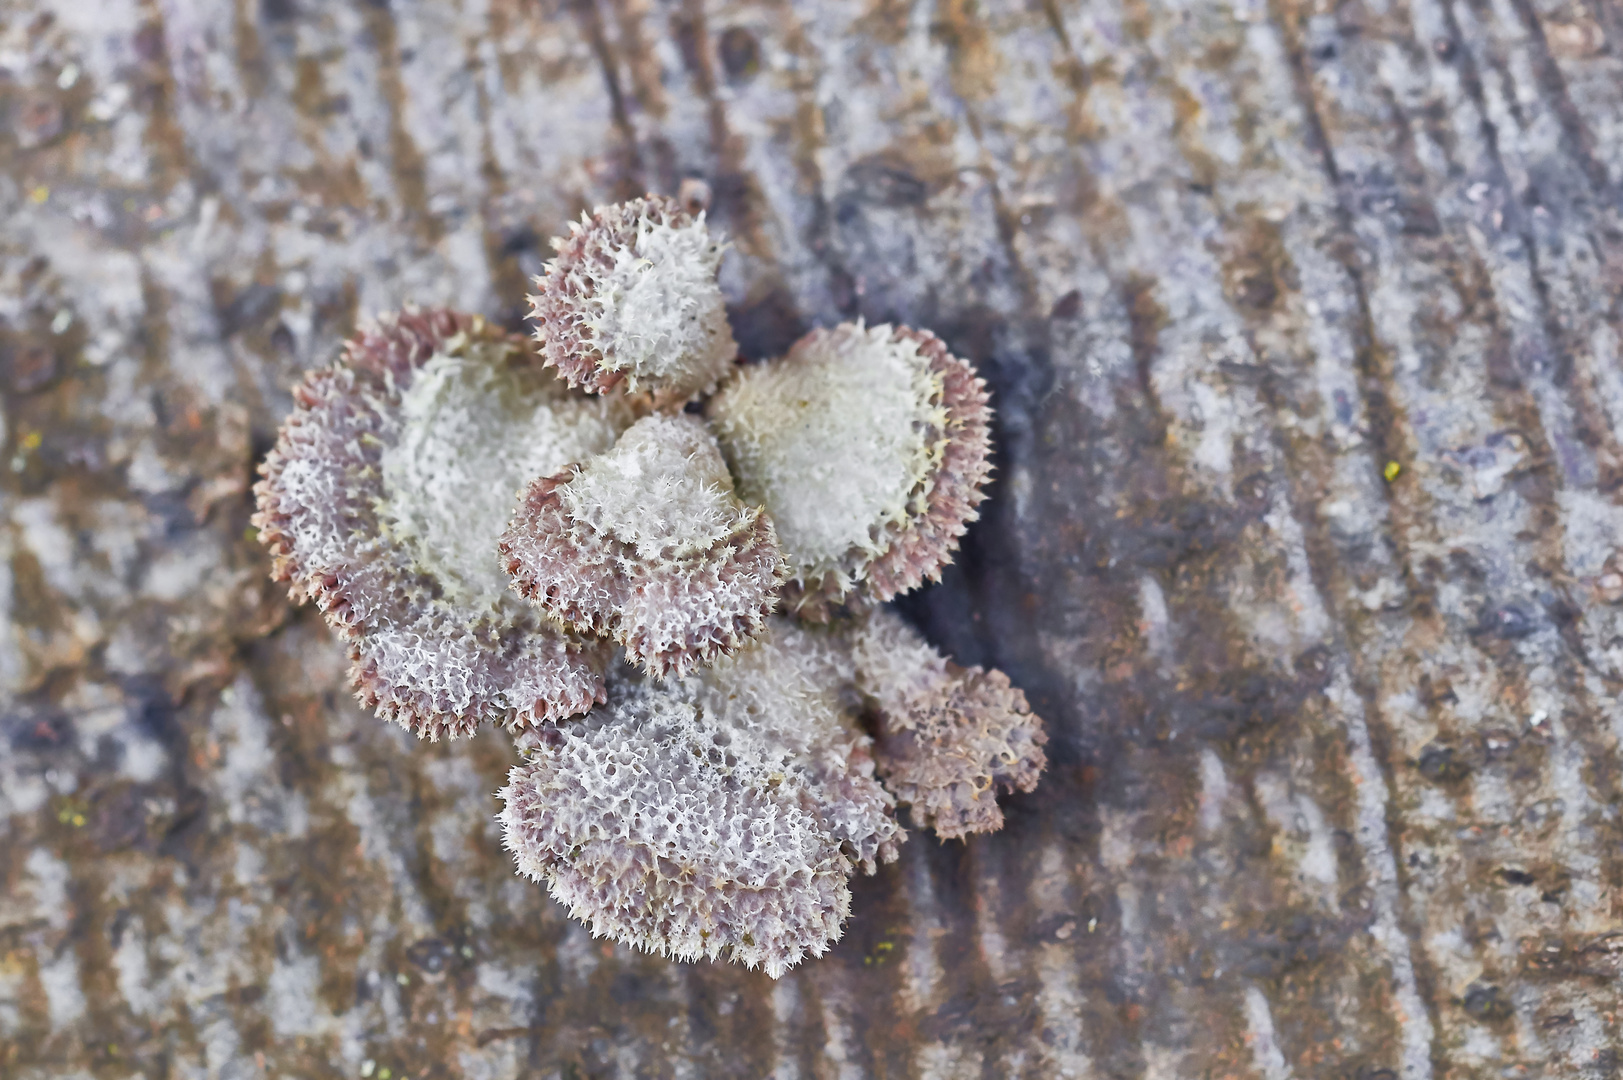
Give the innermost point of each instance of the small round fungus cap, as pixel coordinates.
(648, 543)
(947, 737)
(715, 816)
(631, 299)
(868, 446)
(384, 497)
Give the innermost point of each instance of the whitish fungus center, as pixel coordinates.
(664, 490)
(837, 440)
(475, 425)
(631, 301)
(658, 306)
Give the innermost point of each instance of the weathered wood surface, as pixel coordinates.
(1336, 760)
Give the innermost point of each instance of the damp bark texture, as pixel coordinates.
(1302, 321)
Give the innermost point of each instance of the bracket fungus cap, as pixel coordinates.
(647, 543)
(719, 815)
(382, 502)
(869, 447)
(947, 737)
(631, 299)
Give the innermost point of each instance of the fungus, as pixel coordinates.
(382, 502)
(948, 737)
(632, 299)
(720, 794)
(719, 815)
(648, 543)
(868, 446)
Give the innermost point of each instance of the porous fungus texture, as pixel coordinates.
(631, 299)
(383, 500)
(947, 737)
(719, 815)
(647, 543)
(868, 446)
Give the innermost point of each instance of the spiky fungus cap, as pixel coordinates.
(868, 446)
(383, 500)
(648, 543)
(947, 737)
(632, 299)
(715, 816)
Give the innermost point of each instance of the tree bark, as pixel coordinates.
(1303, 324)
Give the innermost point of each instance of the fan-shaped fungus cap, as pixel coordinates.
(947, 736)
(719, 815)
(647, 543)
(868, 446)
(383, 500)
(632, 298)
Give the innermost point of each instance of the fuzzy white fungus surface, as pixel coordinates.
(834, 440)
(716, 815)
(658, 314)
(663, 490)
(473, 430)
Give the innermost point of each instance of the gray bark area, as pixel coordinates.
(1303, 321)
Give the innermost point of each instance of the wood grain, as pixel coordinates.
(1302, 321)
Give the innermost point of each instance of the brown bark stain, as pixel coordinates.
(640, 61)
(970, 50)
(406, 162)
(625, 169)
(1186, 110)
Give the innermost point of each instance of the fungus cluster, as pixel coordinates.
(662, 570)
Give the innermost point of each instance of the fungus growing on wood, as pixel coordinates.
(868, 446)
(382, 502)
(715, 816)
(948, 737)
(631, 299)
(482, 533)
(648, 544)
